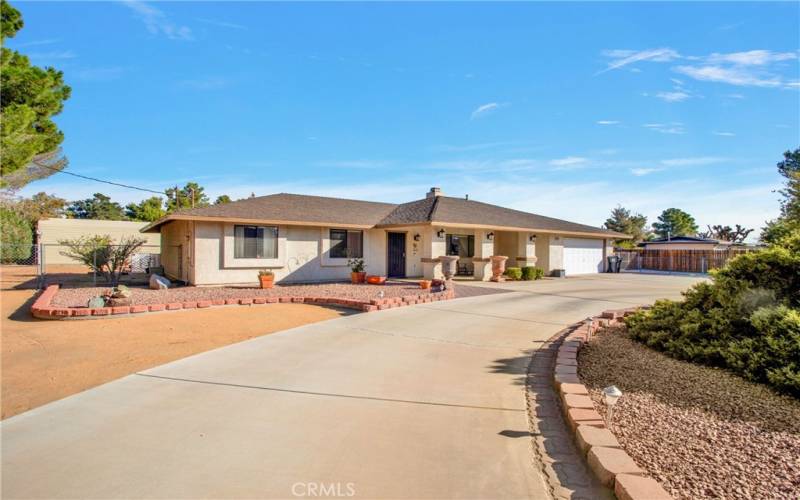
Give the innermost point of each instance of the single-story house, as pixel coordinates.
(310, 238)
(51, 231)
(685, 243)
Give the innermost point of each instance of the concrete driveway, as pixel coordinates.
(420, 402)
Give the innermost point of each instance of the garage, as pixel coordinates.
(582, 256)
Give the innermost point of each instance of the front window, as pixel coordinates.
(346, 244)
(255, 242)
(461, 245)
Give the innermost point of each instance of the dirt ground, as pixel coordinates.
(44, 360)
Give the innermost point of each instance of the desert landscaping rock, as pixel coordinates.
(78, 297)
(700, 432)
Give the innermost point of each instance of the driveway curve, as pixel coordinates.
(419, 402)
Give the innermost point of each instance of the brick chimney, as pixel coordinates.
(434, 192)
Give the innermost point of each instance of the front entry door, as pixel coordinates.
(397, 255)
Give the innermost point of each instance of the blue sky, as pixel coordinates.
(561, 109)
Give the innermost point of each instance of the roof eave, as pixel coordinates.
(199, 218)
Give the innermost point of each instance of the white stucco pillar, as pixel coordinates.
(484, 248)
(526, 250)
(433, 248)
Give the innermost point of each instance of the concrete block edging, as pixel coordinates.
(42, 307)
(606, 459)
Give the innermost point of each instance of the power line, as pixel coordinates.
(100, 180)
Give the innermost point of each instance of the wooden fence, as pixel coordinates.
(688, 261)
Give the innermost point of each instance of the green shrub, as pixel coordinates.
(532, 273)
(746, 320)
(513, 273)
(16, 237)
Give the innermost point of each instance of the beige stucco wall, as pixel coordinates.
(51, 231)
(176, 249)
(303, 255)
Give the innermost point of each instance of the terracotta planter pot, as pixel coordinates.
(425, 284)
(357, 278)
(376, 280)
(498, 267)
(266, 281)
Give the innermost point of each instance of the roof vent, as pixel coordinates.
(434, 192)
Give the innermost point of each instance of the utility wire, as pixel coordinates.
(100, 180)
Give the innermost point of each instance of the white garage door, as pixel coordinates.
(582, 256)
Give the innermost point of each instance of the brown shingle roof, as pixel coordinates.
(462, 211)
(295, 208)
(289, 208)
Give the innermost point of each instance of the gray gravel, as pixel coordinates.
(700, 431)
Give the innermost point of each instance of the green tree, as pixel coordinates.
(146, 210)
(31, 97)
(40, 206)
(623, 220)
(16, 236)
(789, 221)
(675, 222)
(98, 207)
(221, 199)
(192, 195)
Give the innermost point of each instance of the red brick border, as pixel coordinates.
(607, 460)
(43, 309)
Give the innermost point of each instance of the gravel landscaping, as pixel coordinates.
(78, 297)
(700, 431)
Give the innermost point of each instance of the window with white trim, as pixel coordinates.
(346, 244)
(255, 242)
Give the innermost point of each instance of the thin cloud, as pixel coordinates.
(353, 164)
(724, 134)
(157, 22)
(607, 122)
(639, 172)
(731, 75)
(569, 161)
(485, 109)
(221, 24)
(622, 58)
(689, 162)
(675, 128)
(49, 56)
(676, 96)
(751, 57)
(36, 43)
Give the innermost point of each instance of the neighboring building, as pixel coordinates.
(309, 238)
(685, 243)
(51, 231)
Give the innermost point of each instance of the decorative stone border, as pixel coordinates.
(608, 461)
(43, 309)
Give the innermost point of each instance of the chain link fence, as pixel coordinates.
(39, 265)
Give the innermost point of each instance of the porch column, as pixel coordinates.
(484, 248)
(526, 249)
(433, 247)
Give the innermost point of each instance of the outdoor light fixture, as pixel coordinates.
(440, 233)
(532, 238)
(416, 237)
(490, 236)
(610, 395)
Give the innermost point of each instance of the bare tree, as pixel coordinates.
(99, 253)
(727, 233)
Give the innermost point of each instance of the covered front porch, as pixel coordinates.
(474, 248)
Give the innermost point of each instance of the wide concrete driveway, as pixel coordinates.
(419, 402)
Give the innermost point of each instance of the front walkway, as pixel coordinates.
(426, 401)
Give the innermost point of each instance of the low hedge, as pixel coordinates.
(746, 320)
(513, 273)
(532, 273)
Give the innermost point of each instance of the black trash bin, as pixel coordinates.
(614, 263)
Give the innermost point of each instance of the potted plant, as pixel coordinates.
(357, 274)
(425, 284)
(266, 278)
